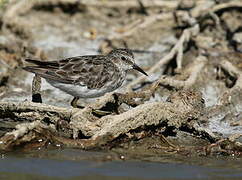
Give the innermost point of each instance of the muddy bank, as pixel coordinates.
(190, 103)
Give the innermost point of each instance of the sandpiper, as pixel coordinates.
(86, 76)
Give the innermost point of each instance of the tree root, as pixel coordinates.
(130, 4)
(100, 131)
(234, 72)
(228, 146)
(197, 67)
(33, 111)
(176, 50)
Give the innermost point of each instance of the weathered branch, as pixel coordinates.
(234, 72)
(121, 4)
(140, 24)
(196, 67)
(174, 113)
(210, 7)
(33, 111)
(176, 50)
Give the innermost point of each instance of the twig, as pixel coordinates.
(198, 65)
(130, 4)
(14, 11)
(178, 48)
(33, 111)
(140, 24)
(226, 145)
(210, 8)
(23, 128)
(162, 137)
(226, 5)
(234, 72)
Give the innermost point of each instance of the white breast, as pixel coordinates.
(83, 91)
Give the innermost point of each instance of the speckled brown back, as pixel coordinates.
(91, 71)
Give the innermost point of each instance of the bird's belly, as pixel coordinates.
(82, 91)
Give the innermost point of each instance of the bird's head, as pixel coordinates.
(124, 58)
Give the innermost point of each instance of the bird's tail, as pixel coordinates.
(42, 63)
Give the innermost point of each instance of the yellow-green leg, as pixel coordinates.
(74, 103)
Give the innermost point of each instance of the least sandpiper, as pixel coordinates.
(86, 76)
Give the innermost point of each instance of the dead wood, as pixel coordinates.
(182, 111)
(33, 111)
(178, 112)
(227, 146)
(233, 71)
(176, 50)
(195, 70)
(114, 4)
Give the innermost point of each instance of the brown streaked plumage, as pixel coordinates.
(86, 76)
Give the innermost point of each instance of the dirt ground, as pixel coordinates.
(190, 103)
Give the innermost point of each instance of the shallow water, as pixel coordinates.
(77, 164)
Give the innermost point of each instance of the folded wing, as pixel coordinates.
(90, 71)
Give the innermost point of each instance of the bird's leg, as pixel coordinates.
(36, 86)
(74, 103)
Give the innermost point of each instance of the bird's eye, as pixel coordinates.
(123, 58)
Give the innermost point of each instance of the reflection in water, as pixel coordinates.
(98, 165)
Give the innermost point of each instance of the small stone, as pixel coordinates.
(122, 157)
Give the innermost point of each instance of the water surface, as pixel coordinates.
(78, 164)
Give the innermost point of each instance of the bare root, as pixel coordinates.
(176, 50)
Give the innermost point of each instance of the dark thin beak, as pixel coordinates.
(139, 69)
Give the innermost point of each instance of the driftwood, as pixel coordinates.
(130, 113)
(177, 51)
(179, 112)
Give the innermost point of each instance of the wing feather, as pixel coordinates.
(81, 70)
